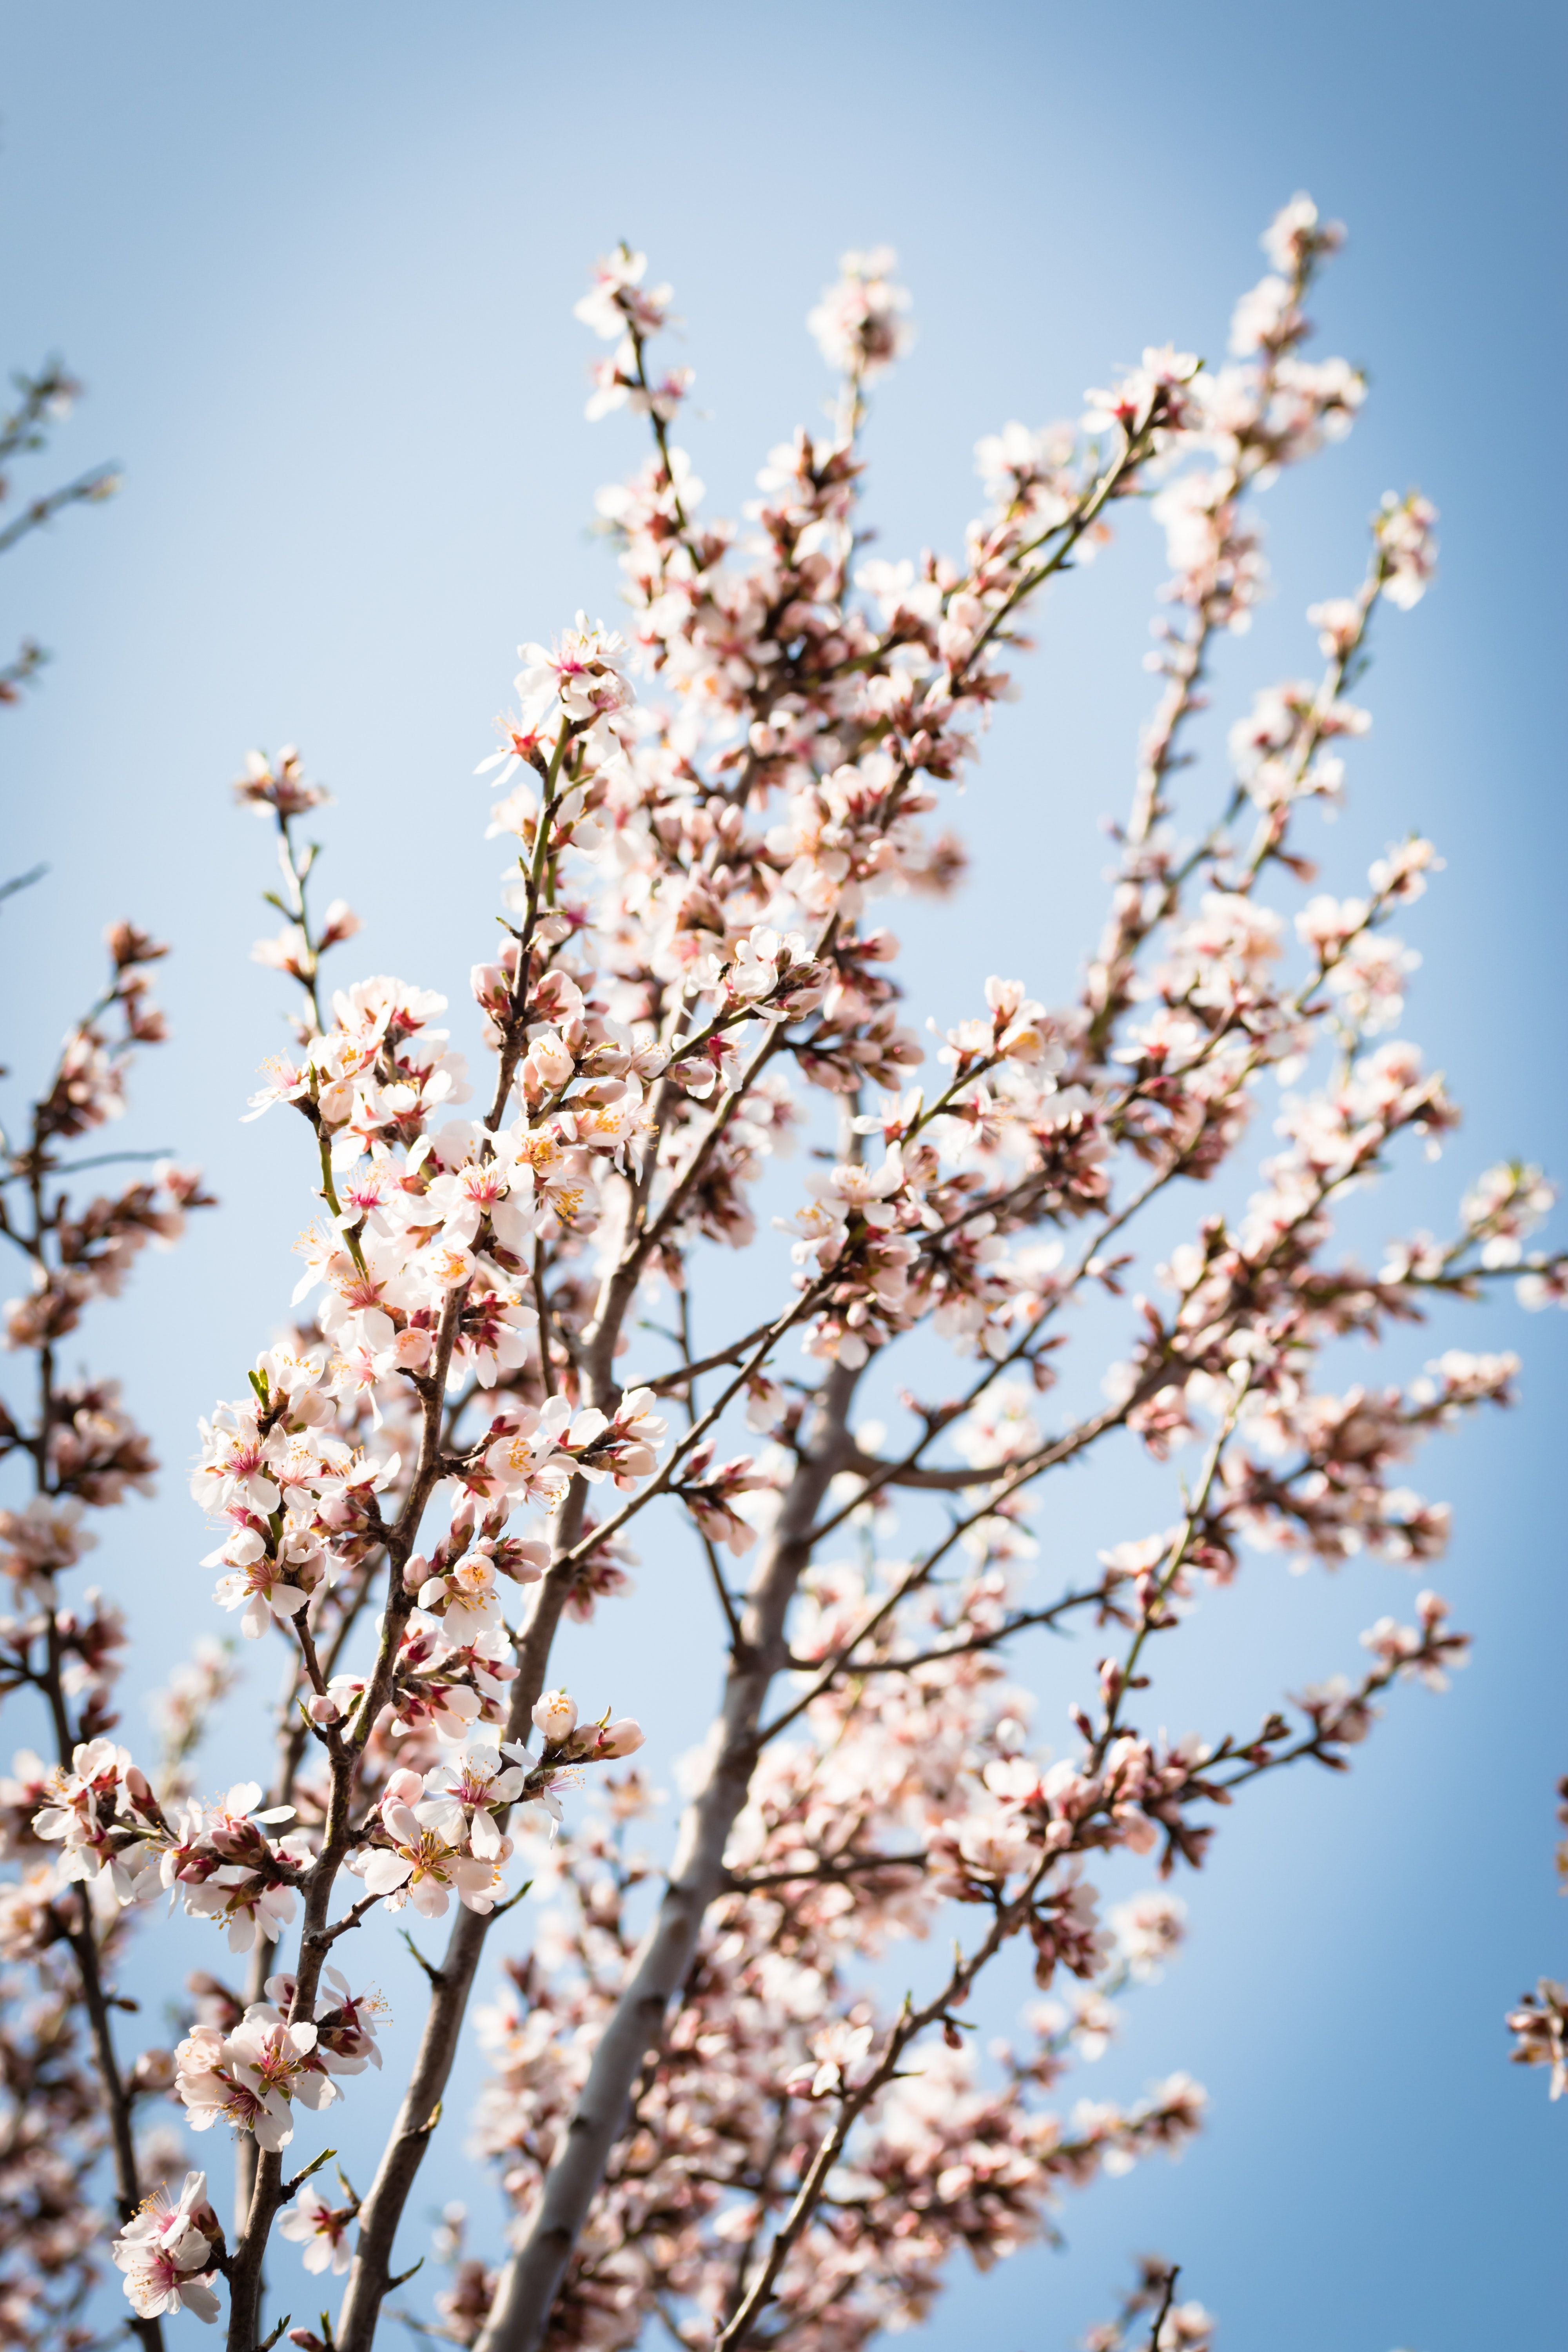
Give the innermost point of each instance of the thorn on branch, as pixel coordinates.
(438, 1977)
(21, 881)
(291, 2187)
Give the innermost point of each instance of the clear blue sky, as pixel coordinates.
(316, 266)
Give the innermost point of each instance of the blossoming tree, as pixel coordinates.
(704, 2108)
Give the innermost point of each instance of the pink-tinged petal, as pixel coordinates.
(385, 1872)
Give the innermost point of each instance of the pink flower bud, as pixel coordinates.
(622, 1738)
(324, 1709)
(153, 2071)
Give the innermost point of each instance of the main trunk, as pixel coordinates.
(532, 2280)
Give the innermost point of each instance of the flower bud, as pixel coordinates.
(622, 1738)
(153, 2071)
(555, 1717)
(323, 1709)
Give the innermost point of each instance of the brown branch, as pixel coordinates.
(825, 1872)
(244, 2276)
(1166, 2300)
(1064, 1449)
(913, 2021)
(671, 1383)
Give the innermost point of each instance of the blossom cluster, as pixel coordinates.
(849, 1841)
(252, 2075)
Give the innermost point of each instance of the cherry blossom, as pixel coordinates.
(322, 2230)
(164, 2251)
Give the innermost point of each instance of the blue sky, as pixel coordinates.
(317, 268)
